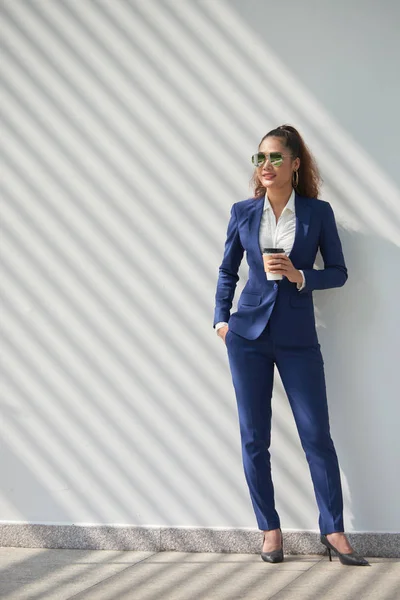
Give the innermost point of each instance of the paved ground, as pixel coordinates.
(45, 574)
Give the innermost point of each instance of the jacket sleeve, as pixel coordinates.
(334, 273)
(228, 271)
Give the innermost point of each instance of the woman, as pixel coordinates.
(275, 324)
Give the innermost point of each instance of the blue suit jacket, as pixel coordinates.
(293, 322)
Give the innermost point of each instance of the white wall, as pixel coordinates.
(128, 130)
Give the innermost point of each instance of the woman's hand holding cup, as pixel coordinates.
(278, 263)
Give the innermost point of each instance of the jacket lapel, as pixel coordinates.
(303, 215)
(254, 222)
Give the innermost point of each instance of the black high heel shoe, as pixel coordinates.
(274, 556)
(351, 558)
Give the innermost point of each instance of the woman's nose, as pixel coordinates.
(266, 161)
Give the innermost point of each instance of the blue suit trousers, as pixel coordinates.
(301, 369)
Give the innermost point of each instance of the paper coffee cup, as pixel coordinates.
(269, 251)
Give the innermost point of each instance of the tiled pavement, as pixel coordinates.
(54, 574)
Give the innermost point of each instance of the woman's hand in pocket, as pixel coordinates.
(222, 331)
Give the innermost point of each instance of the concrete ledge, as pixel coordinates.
(182, 539)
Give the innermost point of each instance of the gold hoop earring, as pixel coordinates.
(295, 179)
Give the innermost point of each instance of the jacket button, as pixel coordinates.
(275, 285)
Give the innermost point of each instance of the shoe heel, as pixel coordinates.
(329, 552)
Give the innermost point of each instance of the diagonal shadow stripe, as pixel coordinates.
(79, 74)
(101, 375)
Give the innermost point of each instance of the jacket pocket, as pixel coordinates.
(247, 299)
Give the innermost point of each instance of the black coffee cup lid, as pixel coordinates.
(273, 251)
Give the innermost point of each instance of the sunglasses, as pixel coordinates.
(275, 158)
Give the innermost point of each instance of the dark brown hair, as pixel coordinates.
(309, 175)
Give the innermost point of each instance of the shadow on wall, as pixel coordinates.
(360, 321)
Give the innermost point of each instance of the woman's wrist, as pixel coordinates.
(299, 278)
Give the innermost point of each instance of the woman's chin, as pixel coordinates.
(267, 183)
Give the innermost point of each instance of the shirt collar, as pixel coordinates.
(288, 206)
